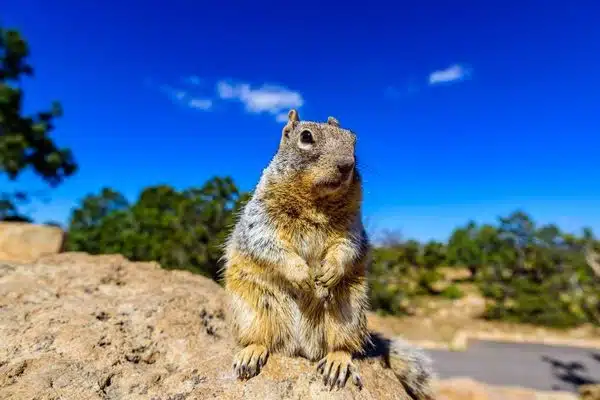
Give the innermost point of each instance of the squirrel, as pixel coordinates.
(296, 263)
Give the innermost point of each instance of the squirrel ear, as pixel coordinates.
(332, 121)
(286, 131)
(292, 119)
(293, 116)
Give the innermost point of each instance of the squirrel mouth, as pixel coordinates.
(332, 184)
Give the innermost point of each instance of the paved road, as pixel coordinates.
(535, 366)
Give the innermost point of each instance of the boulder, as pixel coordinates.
(25, 242)
(99, 327)
(75, 326)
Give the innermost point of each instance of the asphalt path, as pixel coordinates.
(535, 366)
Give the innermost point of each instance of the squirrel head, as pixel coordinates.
(321, 154)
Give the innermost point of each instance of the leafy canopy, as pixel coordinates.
(25, 140)
(179, 229)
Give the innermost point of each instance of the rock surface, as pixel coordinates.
(75, 326)
(25, 242)
(590, 392)
(467, 389)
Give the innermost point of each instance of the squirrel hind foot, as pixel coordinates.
(248, 362)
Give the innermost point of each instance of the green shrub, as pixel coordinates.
(452, 292)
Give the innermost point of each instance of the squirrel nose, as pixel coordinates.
(345, 166)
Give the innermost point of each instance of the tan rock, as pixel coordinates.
(75, 326)
(468, 389)
(463, 389)
(590, 392)
(24, 242)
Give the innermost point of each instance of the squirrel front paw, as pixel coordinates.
(299, 276)
(331, 274)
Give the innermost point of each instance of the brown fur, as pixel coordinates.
(276, 308)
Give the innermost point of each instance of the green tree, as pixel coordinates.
(433, 256)
(412, 252)
(463, 248)
(179, 229)
(98, 225)
(539, 275)
(25, 140)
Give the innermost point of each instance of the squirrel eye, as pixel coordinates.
(306, 137)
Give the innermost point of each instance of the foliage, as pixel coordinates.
(539, 275)
(179, 229)
(403, 270)
(533, 274)
(25, 140)
(452, 292)
(8, 207)
(393, 280)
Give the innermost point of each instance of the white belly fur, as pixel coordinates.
(309, 339)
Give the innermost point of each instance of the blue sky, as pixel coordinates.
(463, 110)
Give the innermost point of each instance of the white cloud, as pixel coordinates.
(272, 99)
(453, 73)
(184, 98)
(200, 104)
(225, 90)
(282, 117)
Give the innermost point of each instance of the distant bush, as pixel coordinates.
(539, 275)
(452, 292)
(393, 282)
(529, 274)
(401, 271)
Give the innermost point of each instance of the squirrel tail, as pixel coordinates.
(413, 368)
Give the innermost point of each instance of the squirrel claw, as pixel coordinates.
(336, 368)
(248, 361)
